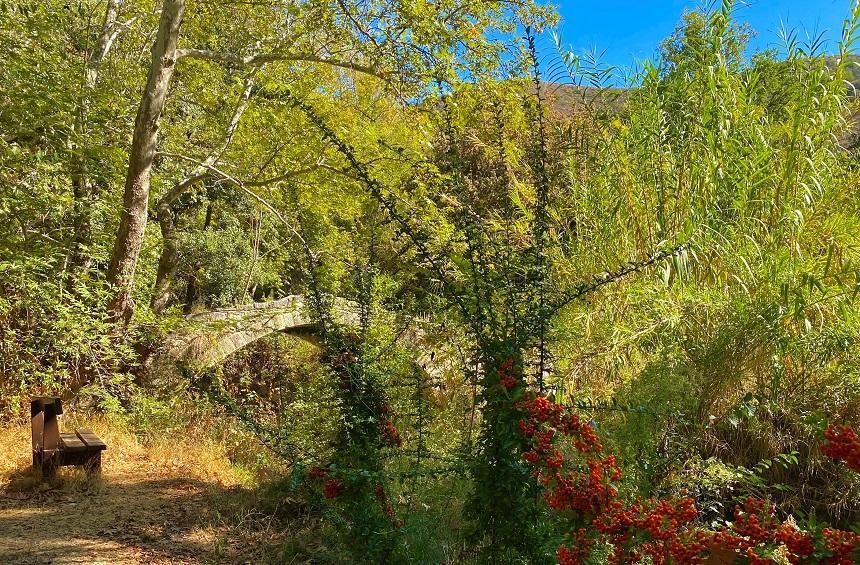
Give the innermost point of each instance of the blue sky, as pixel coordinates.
(630, 30)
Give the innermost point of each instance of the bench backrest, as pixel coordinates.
(46, 427)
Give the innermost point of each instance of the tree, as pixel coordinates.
(133, 216)
(404, 44)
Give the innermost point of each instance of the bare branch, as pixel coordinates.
(241, 185)
(200, 171)
(107, 36)
(264, 58)
(608, 277)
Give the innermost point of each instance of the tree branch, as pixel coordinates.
(264, 58)
(239, 184)
(201, 169)
(608, 277)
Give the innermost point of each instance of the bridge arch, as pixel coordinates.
(210, 337)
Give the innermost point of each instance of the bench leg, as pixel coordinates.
(46, 463)
(93, 466)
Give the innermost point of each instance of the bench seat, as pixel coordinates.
(90, 439)
(71, 443)
(53, 449)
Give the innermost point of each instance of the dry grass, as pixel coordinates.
(173, 500)
(195, 458)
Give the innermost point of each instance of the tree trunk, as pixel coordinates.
(104, 43)
(192, 288)
(133, 218)
(168, 261)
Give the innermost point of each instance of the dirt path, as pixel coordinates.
(151, 505)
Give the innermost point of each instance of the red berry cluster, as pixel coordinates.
(507, 377)
(387, 509)
(797, 542)
(390, 434)
(842, 545)
(843, 445)
(578, 551)
(661, 530)
(387, 431)
(756, 529)
(586, 492)
(317, 473)
(332, 488)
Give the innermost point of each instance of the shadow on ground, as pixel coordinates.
(129, 519)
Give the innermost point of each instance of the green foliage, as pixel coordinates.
(52, 339)
(752, 331)
(217, 262)
(424, 179)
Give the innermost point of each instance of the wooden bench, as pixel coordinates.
(53, 449)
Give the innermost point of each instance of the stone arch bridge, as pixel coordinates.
(210, 337)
